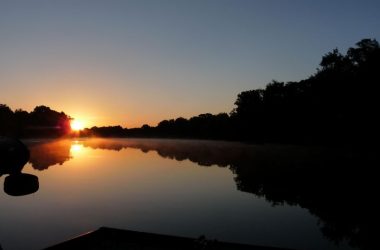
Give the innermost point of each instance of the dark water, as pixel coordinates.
(284, 196)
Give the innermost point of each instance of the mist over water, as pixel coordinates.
(179, 187)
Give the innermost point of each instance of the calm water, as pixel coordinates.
(178, 187)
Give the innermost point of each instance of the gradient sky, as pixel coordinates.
(126, 62)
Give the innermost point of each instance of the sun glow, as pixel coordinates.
(75, 148)
(76, 125)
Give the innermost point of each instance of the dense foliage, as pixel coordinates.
(42, 121)
(338, 103)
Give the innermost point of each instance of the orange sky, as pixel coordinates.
(91, 99)
(131, 63)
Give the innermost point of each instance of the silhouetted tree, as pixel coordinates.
(364, 52)
(42, 121)
(6, 120)
(336, 104)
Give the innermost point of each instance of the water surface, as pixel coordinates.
(225, 191)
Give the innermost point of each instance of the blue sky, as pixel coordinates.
(134, 62)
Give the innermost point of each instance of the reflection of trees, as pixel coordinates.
(334, 185)
(337, 185)
(47, 153)
(204, 153)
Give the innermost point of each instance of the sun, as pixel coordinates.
(76, 125)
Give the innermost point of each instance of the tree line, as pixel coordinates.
(41, 122)
(339, 103)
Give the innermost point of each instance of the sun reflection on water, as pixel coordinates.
(76, 148)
